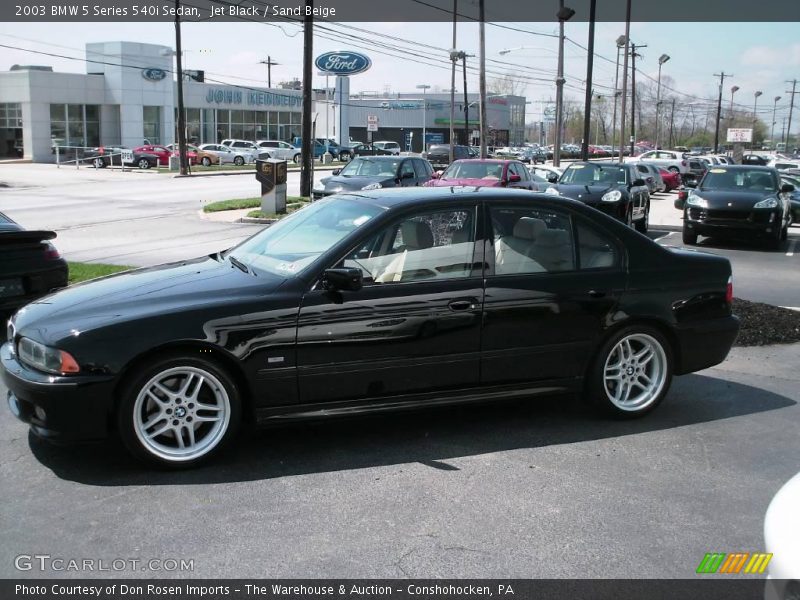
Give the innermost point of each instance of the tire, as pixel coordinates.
(238, 161)
(143, 163)
(631, 373)
(296, 159)
(629, 216)
(177, 412)
(689, 236)
(643, 224)
(674, 169)
(206, 161)
(344, 157)
(99, 163)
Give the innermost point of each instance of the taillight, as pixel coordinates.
(729, 291)
(683, 195)
(50, 251)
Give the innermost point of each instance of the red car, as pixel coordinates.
(487, 173)
(191, 152)
(162, 152)
(672, 179)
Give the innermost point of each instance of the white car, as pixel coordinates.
(782, 540)
(392, 147)
(783, 164)
(546, 173)
(280, 150)
(670, 160)
(228, 155)
(246, 147)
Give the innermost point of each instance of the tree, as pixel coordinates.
(506, 84)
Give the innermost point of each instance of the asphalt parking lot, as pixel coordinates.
(540, 488)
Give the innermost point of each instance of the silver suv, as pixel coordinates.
(246, 147)
(279, 150)
(392, 147)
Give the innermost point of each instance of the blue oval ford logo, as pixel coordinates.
(154, 74)
(343, 62)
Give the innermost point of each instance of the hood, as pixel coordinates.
(346, 183)
(164, 289)
(445, 182)
(588, 194)
(733, 199)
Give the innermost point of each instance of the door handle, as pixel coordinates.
(460, 305)
(596, 294)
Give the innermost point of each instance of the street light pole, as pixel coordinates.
(620, 44)
(772, 130)
(624, 80)
(563, 14)
(482, 78)
(424, 87)
(182, 157)
(755, 118)
(661, 60)
(587, 111)
(734, 89)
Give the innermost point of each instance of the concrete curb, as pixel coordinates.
(257, 220)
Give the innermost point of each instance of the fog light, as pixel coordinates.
(13, 404)
(40, 414)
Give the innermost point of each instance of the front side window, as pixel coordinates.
(531, 240)
(407, 170)
(425, 247)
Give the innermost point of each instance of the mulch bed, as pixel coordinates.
(763, 324)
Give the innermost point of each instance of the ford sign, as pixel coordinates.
(154, 74)
(343, 63)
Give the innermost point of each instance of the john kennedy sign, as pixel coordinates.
(343, 63)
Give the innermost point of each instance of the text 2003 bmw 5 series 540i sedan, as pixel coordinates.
(370, 301)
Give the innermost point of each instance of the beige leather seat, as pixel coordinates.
(513, 252)
(553, 251)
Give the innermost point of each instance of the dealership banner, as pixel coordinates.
(456, 589)
(508, 11)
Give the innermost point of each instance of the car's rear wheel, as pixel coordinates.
(632, 372)
(643, 224)
(344, 157)
(689, 236)
(178, 412)
(674, 169)
(206, 161)
(238, 161)
(143, 163)
(99, 163)
(296, 159)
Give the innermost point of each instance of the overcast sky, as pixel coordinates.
(761, 56)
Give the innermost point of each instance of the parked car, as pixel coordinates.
(203, 157)
(369, 150)
(533, 156)
(162, 152)
(191, 152)
(794, 197)
(280, 150)
(227, 155)
(697, 168)
(375, 172)
(783, 164)
(754, 159)
(488, 172)
(546, 173)
(248, 148)
(671, 179)
(647, 173)
(30, 266)
(104, 156)
(667, 159)
(738, 200)
(439, 154)
(391, 147)
(385, 299)
(615, 189)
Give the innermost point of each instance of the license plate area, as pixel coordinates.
(11, 287)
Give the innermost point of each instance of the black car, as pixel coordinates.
(30, 266)
(738, 200)
(369, 150)
(615, 189)
(439, 154)
(104, 156)
(794, 196)
(375, 172)
(369, 302)
(754, 159)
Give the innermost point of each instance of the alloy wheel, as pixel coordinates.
(635, 372)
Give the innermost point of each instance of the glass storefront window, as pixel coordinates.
(58, 112)
(209, 127)
(151, 117)
(75, 125)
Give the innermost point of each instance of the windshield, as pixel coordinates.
(753, 180)
(591, 174)
(293, 243)
(473, 170)
(370, 167)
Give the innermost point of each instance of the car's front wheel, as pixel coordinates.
(206, 161)
(238, 161)
(674, 169)
(99, 163)
(631, 373)
(177, 411)
(344, 157)
(296, 159)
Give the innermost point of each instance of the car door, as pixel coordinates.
(406, 175)
(553, 279)
(414, 327)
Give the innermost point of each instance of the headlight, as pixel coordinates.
(612, 196)
(551, 190)
(372, 186)
(694, 200)
(44, 358)
(768, 203)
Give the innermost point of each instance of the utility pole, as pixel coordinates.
(672, 124)
(466, 100)
(620, 44)
(633, 93)
(182, 158)
(624, 79)
(563, 14)
(791, 108)
(453, 54)
(722, 77)
(307, 149)
(587, 110)
(270, 63)
(772, 129)
(482, 107)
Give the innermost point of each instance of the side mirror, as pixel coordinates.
(691, 183)
(336, 171)
(679, 203)
(343, 279)
(552, 178)
(638, 182)
(787, 188)
(514, 179)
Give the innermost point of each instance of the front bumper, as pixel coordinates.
(74, 408)
(761, 222)
(703, 344)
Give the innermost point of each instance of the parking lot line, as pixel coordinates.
(792, 248)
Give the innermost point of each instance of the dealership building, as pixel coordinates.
(128, 96)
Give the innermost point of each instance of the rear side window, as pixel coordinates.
(596, 249)
(531, 240)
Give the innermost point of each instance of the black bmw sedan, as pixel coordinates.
(615, 189)
(370, 301)
(738, 201)
(375, 172)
